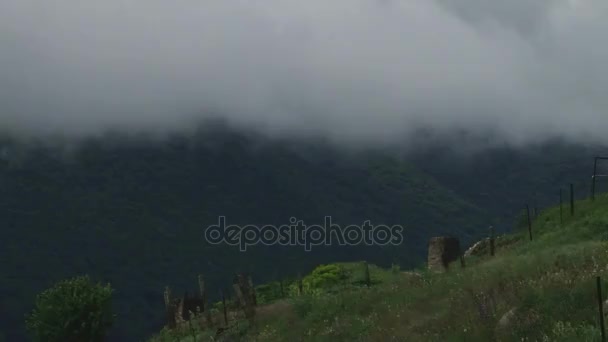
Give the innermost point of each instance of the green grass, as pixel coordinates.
(550, 280)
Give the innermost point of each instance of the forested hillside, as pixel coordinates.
(133, 213)
(501, 180)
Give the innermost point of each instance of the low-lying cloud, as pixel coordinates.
(353, 71)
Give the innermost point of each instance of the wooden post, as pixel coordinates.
(254, 298)
(201, 285)
(282, 290)
(202, 293)
(462, 263)
(238, 295)
(600, 301)
(368, 280)
(224, 307)
(169, 308)
(491, 241)
(167, 296)
(571, 199)
(300, 285)
(561, 207)
(529, 221)
(243, 291)
(593, 179)
(182, 314)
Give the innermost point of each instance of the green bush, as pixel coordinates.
(325, 276)
(74, 310)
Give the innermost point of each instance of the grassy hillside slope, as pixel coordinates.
(549, 284)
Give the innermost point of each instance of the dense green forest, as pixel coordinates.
(133, 212)
(502, 180)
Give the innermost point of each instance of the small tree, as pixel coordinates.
(74, 310)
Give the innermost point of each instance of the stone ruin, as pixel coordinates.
(245, 294)
(442, 251)
(180, 310)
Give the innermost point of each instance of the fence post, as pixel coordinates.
(224, 306)
(244, 293)
(300, 285)
(368, 280)
(462, 262)
(561, 207)
(529, 221)
(491, 241)
(571, 199)
(593, 179)
(169, 308)
(202, 292)
(254, 296)
(601, 307)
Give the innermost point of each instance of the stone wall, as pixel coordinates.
(442, 251)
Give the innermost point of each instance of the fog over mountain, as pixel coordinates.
(352, 71)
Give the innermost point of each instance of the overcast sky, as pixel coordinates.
(366, 71)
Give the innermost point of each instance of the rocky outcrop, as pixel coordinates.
(442, 251)
(479, 248)
(506, 325)
(507, 320)
(482, 247)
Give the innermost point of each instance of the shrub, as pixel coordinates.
(74, 310)
(325, 276)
